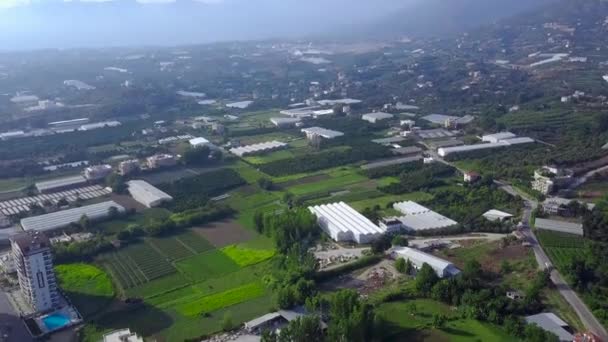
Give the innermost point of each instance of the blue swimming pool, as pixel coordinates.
(55, 321)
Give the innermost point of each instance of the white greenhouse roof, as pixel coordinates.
(377, 115)
(323, 132)
(498, 136)
(422, 258)
(144, 192)
(60, 182)
(550, 322)
(410, 208)
(63, 218)
(345, 218)
(494, 214)
(257, 148)
(418, 217)
(200, 141)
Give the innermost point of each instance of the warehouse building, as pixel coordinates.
(146, 194)
(312, 132)
(497, 215)
(418, 258)
(549, 321)
(98, 125)
(258, 148)
(376, 117)
(559, 226)
(61, 219)
(494, 138)
(417, 217)
(60, 184)
(445, 151)
(199, 142)
(343, 223)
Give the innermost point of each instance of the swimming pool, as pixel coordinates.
(55, 321)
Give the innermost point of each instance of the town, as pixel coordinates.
(381, 190)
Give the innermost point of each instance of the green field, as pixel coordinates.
(332, 184)
(386, 199)
(222, 300)
(561, 247)
(207, 265)
(407, 326)
(182, 277)
(89, 287)
(245, 256)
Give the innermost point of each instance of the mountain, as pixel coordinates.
(441, 17)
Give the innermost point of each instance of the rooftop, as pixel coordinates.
(60, 182)
(325, 133)
(550, 322)
(60, 219)
(559, 226)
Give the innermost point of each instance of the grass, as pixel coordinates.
(270, 157)
(87, 286)
(561, 248)
(206, 266)
(13, 184)
(247, 257)
(406, 325)
(222, 300)
(332, 184)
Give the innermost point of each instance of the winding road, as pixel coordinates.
(583, 312)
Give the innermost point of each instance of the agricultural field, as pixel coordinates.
(88, 286)
(187, 283)
(560, 247)
(413, 321)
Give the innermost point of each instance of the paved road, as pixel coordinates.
(586, 316)
(583, 312)
(12, 328)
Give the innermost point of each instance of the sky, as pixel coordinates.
(30, 24)
(36, 24)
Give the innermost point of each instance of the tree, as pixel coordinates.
(113, 212)
(400, 265)
(350, 320)
(303, 329)
(227, 323)
(196, 156)
(439, 321)
(409, 267)
(381, 244)
(400, 241)
(117, 183)
(84, 222)
(505, 267)
(62, 202)
(425, 279)
(266, 184)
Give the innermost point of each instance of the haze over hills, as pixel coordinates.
(51, 24)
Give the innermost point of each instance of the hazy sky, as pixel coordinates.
(28, 24)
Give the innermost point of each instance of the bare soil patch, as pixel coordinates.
(224, 233)
(510, 253)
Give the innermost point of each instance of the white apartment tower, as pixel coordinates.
(34, 263)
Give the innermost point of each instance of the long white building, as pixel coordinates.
(258, 148)
(443, 268)
(64, 218)
(34, 263)
(343, 223)
(146, 194)
(445, 151)
(417, 217)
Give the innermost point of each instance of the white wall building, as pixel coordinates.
(128, 166)
(199, 142)
(34, 262)
(161, 160)
(258, 148)
(343, 223)
(311, 132)
(97, 172)
(122, 335)
(376, 117)
(418, 258)
(417, 217)
(146, 194)
(494, 138)
(64, 218)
